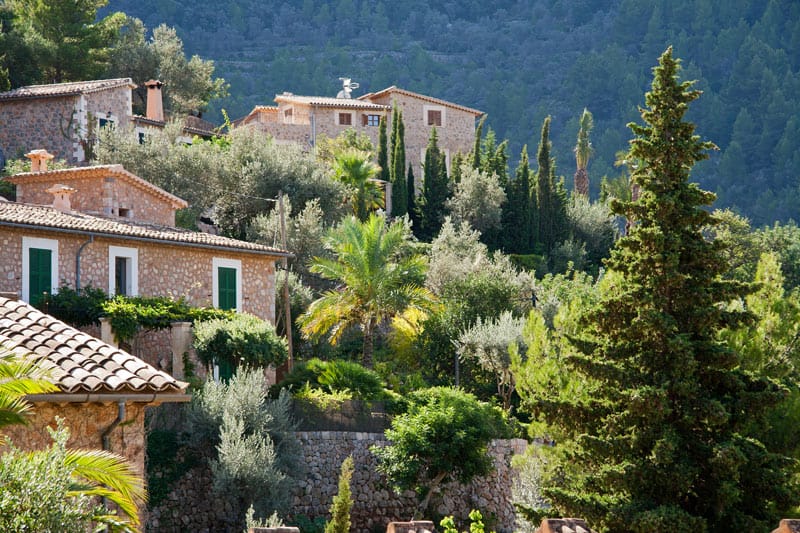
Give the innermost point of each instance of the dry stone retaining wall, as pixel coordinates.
(190, 506)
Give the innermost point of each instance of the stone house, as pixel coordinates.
(102, 391)
(67, 116)
(104, 227)
(62, 116)
(302, 119)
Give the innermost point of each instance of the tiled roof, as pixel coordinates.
(191, 124)
(324, 101)
(78, 362)
(394, 89)
(65, 89)
(43, 217)
(65, 174)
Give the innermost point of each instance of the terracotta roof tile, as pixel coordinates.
(324, 101)
(395, 89)
(79, 362)
(65, 89)
(43, 217)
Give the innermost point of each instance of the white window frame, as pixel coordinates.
(339, 118)
(111, 121)
(236, 264)
(291, 109)
(42, 244)
(442, 109)
(133, 274)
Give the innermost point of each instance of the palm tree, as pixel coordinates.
(583, 150)
(356, 169)
(379, 279)
(95, 473)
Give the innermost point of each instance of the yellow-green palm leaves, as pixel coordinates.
(378, 276)
(18, 378)
(355, 169)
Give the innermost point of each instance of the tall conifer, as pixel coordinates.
(660, 442)
(383, 150)
(476, 149)
(518, 210)
(435, 190)
(398, 177)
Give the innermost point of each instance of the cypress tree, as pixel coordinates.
(660, 442)
(383, 151)
(399, 192)
(411, 203)
(435, 190)
(343, 501)
(517, 211)
(476, 149)
(545, 192)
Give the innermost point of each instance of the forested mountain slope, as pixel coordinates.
(523, 60)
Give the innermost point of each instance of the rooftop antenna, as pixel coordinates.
(347, 88)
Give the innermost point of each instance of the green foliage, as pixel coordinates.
(18, 378)
(249, 442)
(66, 40)
(476, 523)
(307, 525)
(46, 491)
(430, 208)
(355, 169)
(250, 521)
(351, 380)
(77, 308)
(400, 190)
(164, 465)
(659, 442)
(443, 436)
(477, 200)
(380, 278)
(128, 315)
(243, 340)
(518, 213)
(550, 198)
(342, 502)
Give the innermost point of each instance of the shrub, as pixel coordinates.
(340, 378)
(77, 308)
(342, 502)
(241, 340)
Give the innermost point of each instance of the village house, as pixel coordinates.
(66, 117)
(303, 119)
(105, 227)
(102, 392)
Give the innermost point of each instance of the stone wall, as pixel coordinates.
(164, 269)
(55, 123)
(190, 507)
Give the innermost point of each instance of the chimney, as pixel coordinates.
(61, 194)
(39, 159)
(155, 106)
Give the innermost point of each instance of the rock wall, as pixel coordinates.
(190, 506)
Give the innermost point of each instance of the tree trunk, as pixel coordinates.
(423, 506)
(582, 182)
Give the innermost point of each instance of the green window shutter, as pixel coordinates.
(40, 273)
(226, 278)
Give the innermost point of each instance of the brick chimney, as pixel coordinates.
(39, 159)
(61, 194)
(155, 105)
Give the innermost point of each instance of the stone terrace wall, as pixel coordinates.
(191, 505)
(375, 504)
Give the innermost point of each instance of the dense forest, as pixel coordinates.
(523, 60)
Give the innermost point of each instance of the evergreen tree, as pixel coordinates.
(435, 191)
(518, 212)
(343, 501)
(455, 168)
(476, 150)
(383, 151)
(662, 441)
(583, 150)
(411, 203)
(550, 198)
(399, 193)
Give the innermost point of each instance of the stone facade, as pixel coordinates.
(303, 119)
(188, 506)
(164, 269)
(61, 123)
(107, 190)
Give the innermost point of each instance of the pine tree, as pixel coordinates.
(659, 444)
(342, 502)
(435, 190)
(583, 150)
(399, 192)
(383, 151)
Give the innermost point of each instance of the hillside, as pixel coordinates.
(522, 60)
